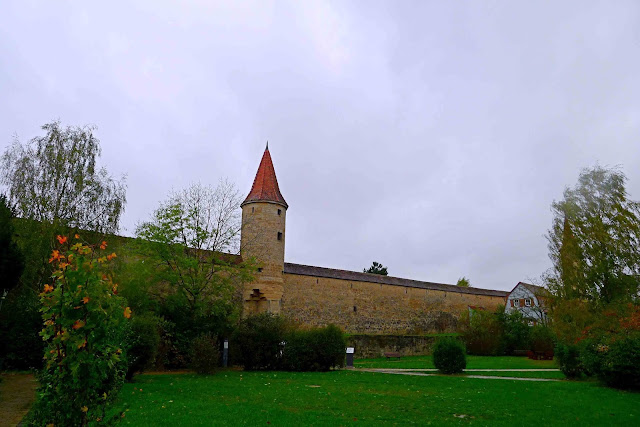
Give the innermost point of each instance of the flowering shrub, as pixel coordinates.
(84, 317)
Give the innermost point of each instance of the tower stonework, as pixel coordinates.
(263, 237)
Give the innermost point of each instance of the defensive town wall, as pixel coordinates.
(374, 304)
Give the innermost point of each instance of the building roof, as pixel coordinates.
(535, 289)
(265, 185)
(354, 276)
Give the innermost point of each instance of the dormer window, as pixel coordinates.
(516, 303)
(279, 235)
(527, 302)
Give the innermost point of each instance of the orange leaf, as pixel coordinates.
(85, 300)
(103, 246)
(127, 312)
(78, 324)
(77, 236)
(48, 288)
(61, 239)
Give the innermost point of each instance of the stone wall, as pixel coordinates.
(371, 346)
(375, 308)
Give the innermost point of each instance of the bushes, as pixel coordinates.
(259, 342)
(314, 350)
(267, 341)
(569, 360)
(143, 340)
(542, 339)
(204, 354)
(84, 332)
(615, 360)
(515, 332)
(449, 356)
(482, 332)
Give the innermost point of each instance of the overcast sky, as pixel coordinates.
(429, 136)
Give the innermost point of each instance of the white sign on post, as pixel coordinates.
(350, 350)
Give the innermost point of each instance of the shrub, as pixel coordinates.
(516, 333)
(314, 350)
(84, 332)
(258, 342)
(449, 355)
(143, 341)
(205, 354)
(481, 332)
(542, 339)
(568, 358)
(615, 360)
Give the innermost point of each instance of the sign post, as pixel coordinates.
(225, 353)
(350, 351)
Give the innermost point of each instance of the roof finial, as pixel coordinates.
(267, 145)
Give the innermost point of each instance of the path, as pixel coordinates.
(17, 393)
(422, 374)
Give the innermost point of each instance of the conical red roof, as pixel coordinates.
(265, 185)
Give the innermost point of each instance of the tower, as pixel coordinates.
(263, 235)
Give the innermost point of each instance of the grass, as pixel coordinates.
(346, 397)
(473, 362)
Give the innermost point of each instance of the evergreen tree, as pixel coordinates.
(376, 268)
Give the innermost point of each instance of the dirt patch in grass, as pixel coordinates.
(17, 394)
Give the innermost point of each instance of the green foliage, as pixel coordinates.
(20, 320)
(569, 360)
(615, 360)
(481, 331)
(594, 240)
(55, 179)
(11, 258)
(449, 356)
(205, 354)
(376, 268)
(317, 349)
(464, 282)
(515, 332)
(542, 339)
(258, 342)
(143, 340)
(84, 331)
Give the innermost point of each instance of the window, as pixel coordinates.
(279, 235)
(355, 308)
(527, 302)
(259, 269)
(516, 303)
(252, 209)
(279, 212)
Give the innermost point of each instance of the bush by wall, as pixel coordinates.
(481, 331)
(615, 360)
(143, 340)
(449, 355)
(516, 332)
(205, 354)
(314, 350)
(258, 342)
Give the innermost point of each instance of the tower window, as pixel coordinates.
(355, 308)
(279, 235)
(252, 209)
(279, 211)
(259, 269)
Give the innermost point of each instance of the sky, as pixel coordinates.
(430, 136)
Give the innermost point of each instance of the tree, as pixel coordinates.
(376, 268)
(54, 179)
(11, 258)
(191, 239)
(464, 282)
(594, 242)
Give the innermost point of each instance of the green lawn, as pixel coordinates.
(346, 397)
(473, 362)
